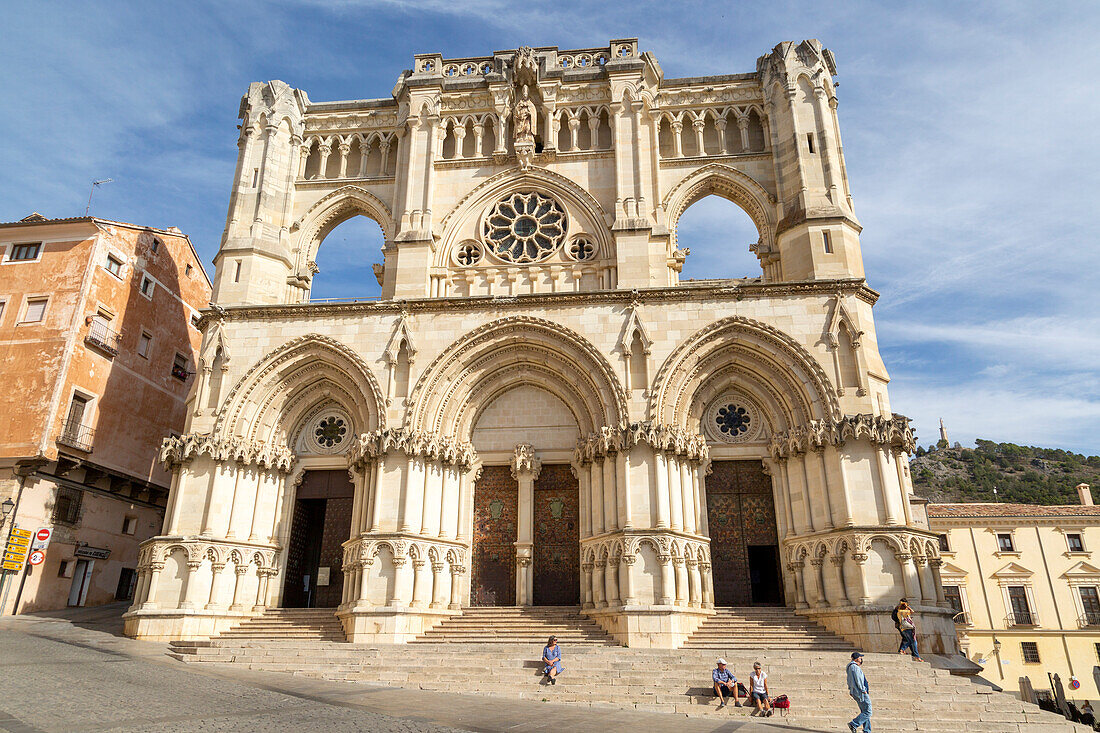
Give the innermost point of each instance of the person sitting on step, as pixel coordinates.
(758, 691)
(724, 684)
(551, 658)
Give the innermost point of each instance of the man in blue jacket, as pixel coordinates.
(860, 692)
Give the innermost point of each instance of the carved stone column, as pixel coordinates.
(799, 583)
(668, 581)
(238, 588)
(680, 570)
(935, 564)
(215, 573)
(456, 597)
(438, 601)
(908, 575)
(837, 562)
(598, 584)
(586, 585)
(611, 583)
(419, 583)
(626, 580)
(860, 559)
(695, 594)
(402, 585)
(818, 578)
(264, 575)
(927, 583)
(191, 588)
(364, 572)
(525, 470)
(155, 569)
(708, 585)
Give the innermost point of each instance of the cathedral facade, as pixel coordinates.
(538, 411)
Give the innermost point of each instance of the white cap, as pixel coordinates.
(721, 661)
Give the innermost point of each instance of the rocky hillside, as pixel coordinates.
(1020, 473)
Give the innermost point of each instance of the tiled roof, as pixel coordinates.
(946, 511)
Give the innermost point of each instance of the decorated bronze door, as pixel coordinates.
(493, 571)
(744, 545)
(556, 554)
(320, 527)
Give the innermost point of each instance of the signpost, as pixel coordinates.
(15, 554)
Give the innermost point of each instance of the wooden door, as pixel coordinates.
(493, 568)
(556, 554)
(740, 514)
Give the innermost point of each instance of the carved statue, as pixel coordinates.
(523, 127)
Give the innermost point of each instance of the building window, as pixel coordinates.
(127, 580)
(189, 270)
(944, 546)
(2, 304)
(36, 310)
(1004, 543)
(1090, 604)
(1075, 543)
(195, 320)
(1097, 647)
(114, 266)
(66, 509)
(810, 142)
(1030, 651)
(24, 252)
(63, 569)
(179, 368)
(954, 597)
(828, 243)
(145, 341)
(155, 245)
(129, 525)
(237, 272)
(147, 286)
(1020, 608)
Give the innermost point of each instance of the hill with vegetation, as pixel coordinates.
(1021, 474)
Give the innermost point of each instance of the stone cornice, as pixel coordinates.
(726, 291)
(894, 432)
(667, 438)
(414, 443)
(182, 449)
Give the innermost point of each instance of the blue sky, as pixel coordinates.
(969, 133)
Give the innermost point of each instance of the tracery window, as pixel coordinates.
(581, 249)
(330, 431)
(525, 227)
(733, 420)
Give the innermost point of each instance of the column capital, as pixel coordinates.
(524, 460)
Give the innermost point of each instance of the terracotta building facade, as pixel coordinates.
(538, 410)
(98, 326)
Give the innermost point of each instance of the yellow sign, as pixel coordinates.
(24, 533)
(15, 554)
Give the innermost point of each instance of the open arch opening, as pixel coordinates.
(345, 260)
(718, 233)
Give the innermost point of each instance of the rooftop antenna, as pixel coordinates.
(94, 184)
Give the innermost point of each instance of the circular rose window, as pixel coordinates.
(525, 227)
(326, 432)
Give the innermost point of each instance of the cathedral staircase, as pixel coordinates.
(526, 625)
(282, 624)
(496, 653)
(757, 627)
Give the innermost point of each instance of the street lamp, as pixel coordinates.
(6, 507)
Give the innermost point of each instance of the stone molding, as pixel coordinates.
(361, 551)
(182, 449)
(624, 547)
(893, 432)
(524, 460)
(904, 541)
(155, 550)
(671, 439)
(414, 443)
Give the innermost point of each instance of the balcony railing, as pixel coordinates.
(962, 618)
(1089, 618)
(103, 338)
(1024, 618)
(77, 435)
(180, 373)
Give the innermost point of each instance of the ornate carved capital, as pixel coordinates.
(892, 432)
(524, 460)
(181, 449)
(368, 446)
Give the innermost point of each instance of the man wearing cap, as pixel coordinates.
(724, 682)
(860, 692)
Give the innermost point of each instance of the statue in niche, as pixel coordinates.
(523, 127)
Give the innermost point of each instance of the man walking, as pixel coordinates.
(860, 692)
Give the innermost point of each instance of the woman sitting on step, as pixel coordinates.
(551, 657)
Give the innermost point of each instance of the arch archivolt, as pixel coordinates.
(330, 211)
(840, 546)
(271, 400)
(215, 552)
(731, 184)
(462, 381)
(736, 351)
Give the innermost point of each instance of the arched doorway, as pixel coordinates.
(320, 524)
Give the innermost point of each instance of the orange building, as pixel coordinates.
(99, 340)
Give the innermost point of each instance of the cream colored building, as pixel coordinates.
(538, 411)
(1025, 583)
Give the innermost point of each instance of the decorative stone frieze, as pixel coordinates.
(668, 438)
(413, 443)
(893, 432)
(181, 449)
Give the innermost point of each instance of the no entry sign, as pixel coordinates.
(41, 538)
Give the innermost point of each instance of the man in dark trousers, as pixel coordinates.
(860, 692)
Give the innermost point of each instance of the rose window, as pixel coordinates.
(330, 431)
(525, 227)
(581, 249)
(733, 420)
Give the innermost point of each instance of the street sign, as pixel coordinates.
(42, 538)
(15, 554)
(37, 557)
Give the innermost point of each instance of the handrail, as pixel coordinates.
(1021, 619)
(103, 338)
(77, 435)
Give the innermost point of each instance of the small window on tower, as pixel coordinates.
(255, 176)
(810, 142)
(156, 244)
(237, 273)
(145, 340)
(147, 285)
(828, 243)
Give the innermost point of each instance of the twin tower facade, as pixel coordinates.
(538, 411)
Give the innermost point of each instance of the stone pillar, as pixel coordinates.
(708, 586)
(215, 573)
(586, 585)
(690, 498)
(663, 508)
(403, 584)
(420, 583)
(837, 562)
(525, 470)
(891, 497)
(937, 580)
(264, 575)
(191, 588)
(668, 581)
(821, 107)
(677, 128)
(611, 583)
(155, 569)
(626, 580)
(908, 575)
(799, 583)
(456, 599)
(675, 492)
(438, 601)
(238, 589)
(364, 571)
(414, 495)
(860, 558)
(818, 581)
(681, 573)
(720, 126)
(695, 594)
(344, 150)
(927, 583)
(599, 584)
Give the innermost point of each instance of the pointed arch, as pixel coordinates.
(462, 381)
(273, 396)
(731, 184)
(330, 211)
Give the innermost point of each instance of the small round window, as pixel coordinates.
(330, 431)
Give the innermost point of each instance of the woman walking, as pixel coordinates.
(908, 629)
(551, 657)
